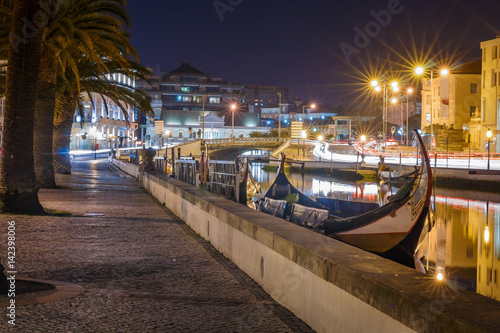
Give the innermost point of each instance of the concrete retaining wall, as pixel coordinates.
(330, 285)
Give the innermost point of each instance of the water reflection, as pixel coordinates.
(463, 246)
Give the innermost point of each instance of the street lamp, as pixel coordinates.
(395, 88)
(312, 106)
(93, 135)
(304, 135)
(409, 91)
(488, 135)
(362, 138)
(167, 134)
(233, 108)
(419, 71)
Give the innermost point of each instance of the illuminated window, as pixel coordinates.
(179, 98)
(428, 117)
(185, 89)
(187, 98)
(214, 100)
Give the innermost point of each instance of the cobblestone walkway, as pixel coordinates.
(143, 269)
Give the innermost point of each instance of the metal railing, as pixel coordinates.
(245, 142)
(187, 171)
(224, 178)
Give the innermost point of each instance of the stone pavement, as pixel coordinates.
(142, 269)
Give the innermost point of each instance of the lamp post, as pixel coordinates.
(488, 135)
(304, 135)
(419, 71)
(279, 116)
(93, 135)
(233, 108)
(312, 106)
(395, 88)
(409, 91)
(362, 138)
(167, 134)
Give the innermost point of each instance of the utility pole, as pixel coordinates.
(279, 117)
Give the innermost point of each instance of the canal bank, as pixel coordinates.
(330, 285)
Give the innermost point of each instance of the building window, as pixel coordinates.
(428, 118)
(495, 52)
(473, 88)
(212, 89)
(493, 78)
(180, 135)
(484, 54)
(428, 99)
(484, 79)
(187, 98)
(214, 100)
(185, 89)
(472, 110)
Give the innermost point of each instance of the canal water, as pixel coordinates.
(463, 246)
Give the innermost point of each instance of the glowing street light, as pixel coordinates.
(374, 83)
(409, 91)
(488, 135)
(419, 71)
(312, 106)
(377, 88)
(394, 100)
(233, 108)
(320, 138)
(167, 134)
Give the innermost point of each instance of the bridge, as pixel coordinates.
(269, 143)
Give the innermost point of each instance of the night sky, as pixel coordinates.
(297, 43)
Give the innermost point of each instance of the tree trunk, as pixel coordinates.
(44, 119)
(62, 134)
(18, 187)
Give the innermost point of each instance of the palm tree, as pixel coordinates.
(92, 80)
(18, 189)
(81, 27)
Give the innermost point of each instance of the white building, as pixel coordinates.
(102, 128)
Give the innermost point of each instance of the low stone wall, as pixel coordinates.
(330, 285)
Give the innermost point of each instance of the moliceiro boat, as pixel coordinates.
(392, 230)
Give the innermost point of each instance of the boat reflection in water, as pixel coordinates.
(463, 246)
